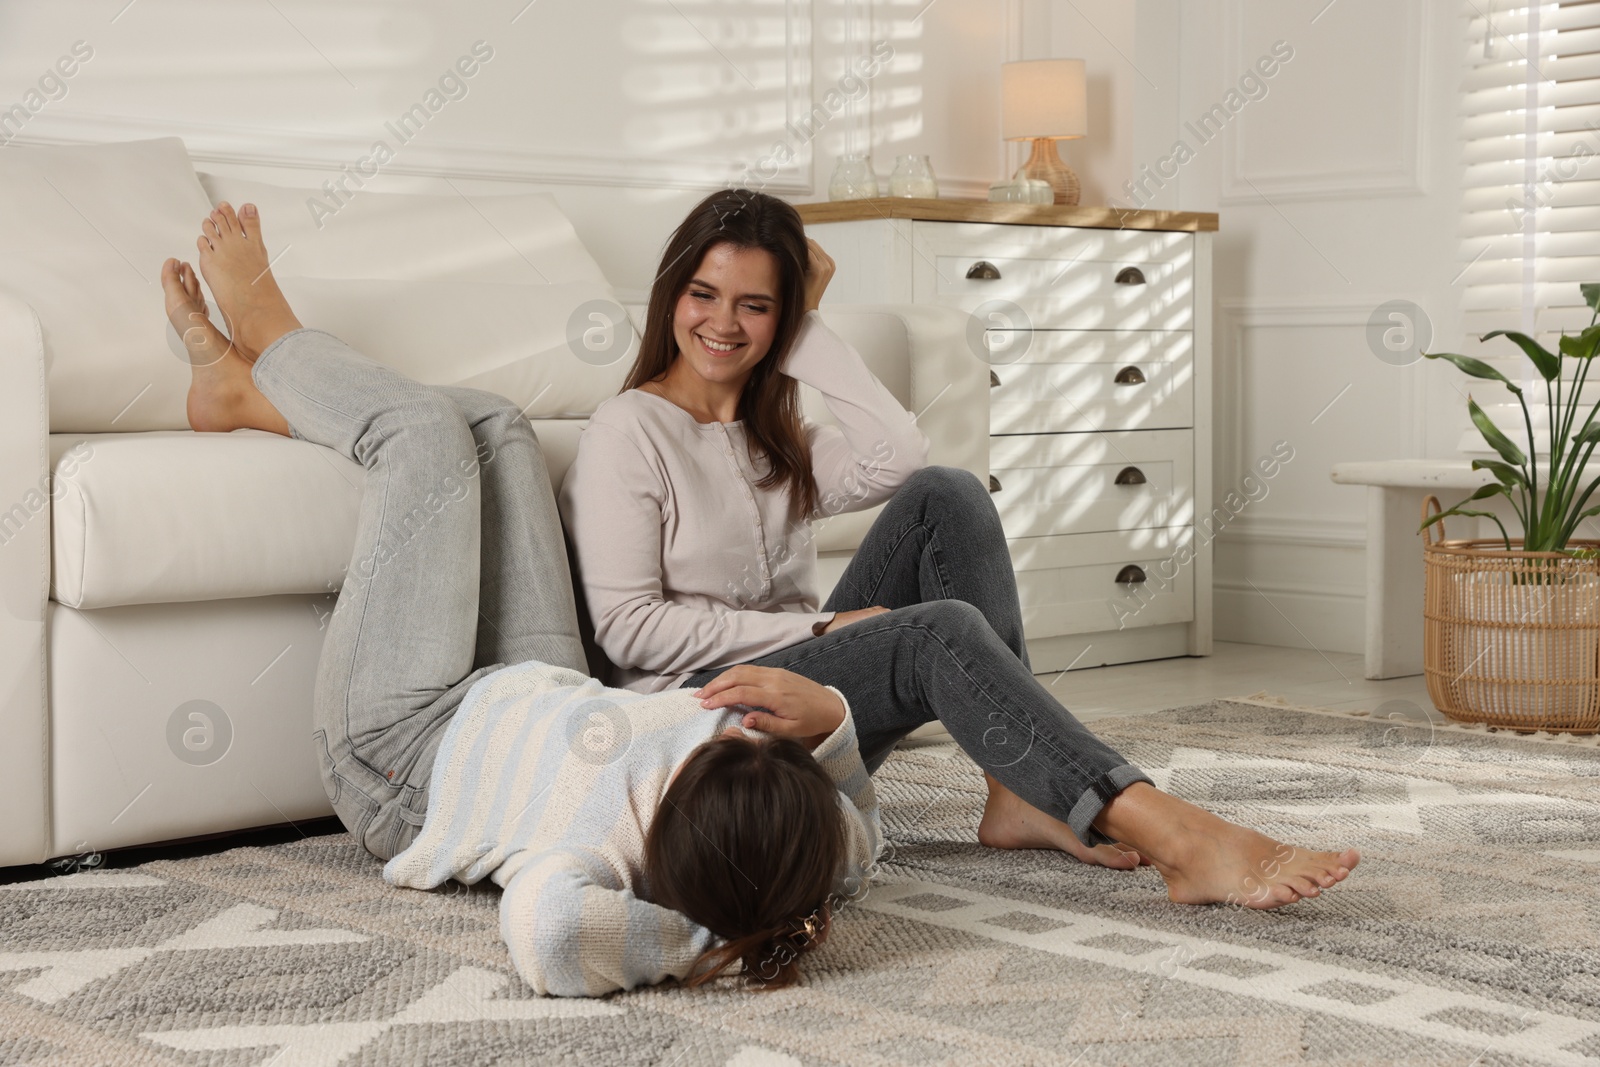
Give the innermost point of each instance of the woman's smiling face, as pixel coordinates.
(724, 322)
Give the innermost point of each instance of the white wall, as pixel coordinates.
(1103, 34)
(626, 110)
(1337, 193)
(1336, 189)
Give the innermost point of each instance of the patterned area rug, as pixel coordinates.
(1470, 935)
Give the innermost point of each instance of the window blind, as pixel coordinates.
(1531, 192)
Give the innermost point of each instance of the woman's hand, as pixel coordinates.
(845, 618)
(790, 705)
(819, 272)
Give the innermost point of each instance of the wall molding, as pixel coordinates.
(1325, 619)
(1332, 617)
(1340, 534)
(1333, 592)
(1237, 315)
(966, 188)
(321, 151)
(1405, 177)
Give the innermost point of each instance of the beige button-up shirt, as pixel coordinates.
(685, 562)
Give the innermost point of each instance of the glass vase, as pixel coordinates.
(853, 179)
(913, 177)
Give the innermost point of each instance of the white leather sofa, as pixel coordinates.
(165, 590)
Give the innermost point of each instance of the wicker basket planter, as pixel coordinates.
(1512, 638)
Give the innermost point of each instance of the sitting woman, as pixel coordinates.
(690, 507)
(637, 837)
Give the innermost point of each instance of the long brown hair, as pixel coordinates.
(769, 407)
(748, 842)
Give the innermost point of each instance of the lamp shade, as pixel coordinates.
(1043, 98)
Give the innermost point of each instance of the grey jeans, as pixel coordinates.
(459, 568)
(951, 648)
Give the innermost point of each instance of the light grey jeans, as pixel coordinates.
(459, 568)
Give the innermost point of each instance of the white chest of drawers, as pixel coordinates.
(1097, 328)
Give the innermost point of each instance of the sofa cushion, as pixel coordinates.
(521, 341)
(521, 239)
(151, 518)
(87, 227)
(174, 516)
(83, 232)
(524, 342)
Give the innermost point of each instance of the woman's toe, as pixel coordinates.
(1272, 896)
(229, 218)
(1115, 858)
(1304, 886)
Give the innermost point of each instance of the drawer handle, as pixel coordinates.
(1126, 276)
(1132, 574)
(1130, 476)
(1129, 376)
(994, 484)
(984, 271)
(994, 380)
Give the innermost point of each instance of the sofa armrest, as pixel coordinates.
(24, 584)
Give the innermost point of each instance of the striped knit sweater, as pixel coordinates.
(546, 782)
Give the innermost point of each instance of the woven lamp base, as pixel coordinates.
(1046, 165)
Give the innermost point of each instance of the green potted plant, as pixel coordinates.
(1513, 631)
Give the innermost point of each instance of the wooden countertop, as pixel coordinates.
(943, 210)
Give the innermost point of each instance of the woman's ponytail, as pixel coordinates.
(770, 959)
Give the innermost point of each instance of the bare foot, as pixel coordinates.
(1208, 860)
(1011, 822)
(186, 307)
(222, 394)
(233, 259)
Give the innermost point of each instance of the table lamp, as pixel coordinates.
(1045, 101)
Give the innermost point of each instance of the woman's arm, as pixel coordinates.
(612, 502)
(840, 756)
(877, 444)
(791, 705)
(576, 929)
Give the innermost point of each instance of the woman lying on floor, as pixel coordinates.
(645, 835)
